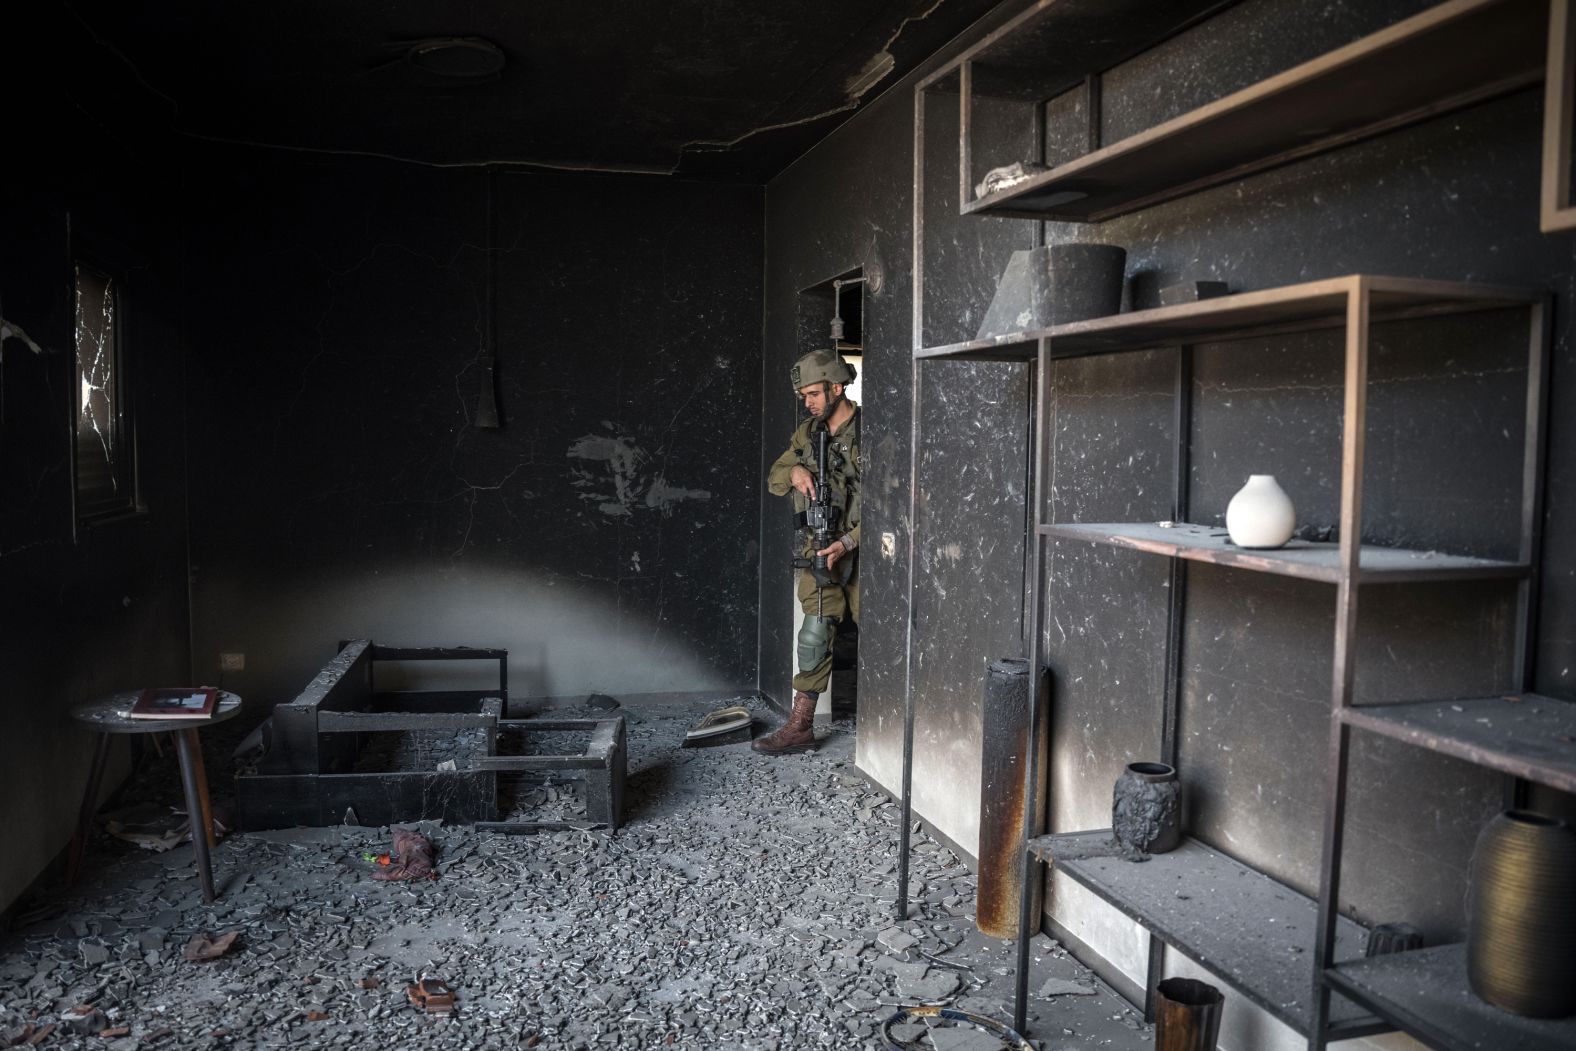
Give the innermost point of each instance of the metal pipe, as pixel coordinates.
(1033, 822)
(1516, 789)
(1005, 792)
(1182, 425)
(913, 505)
(1353, 441)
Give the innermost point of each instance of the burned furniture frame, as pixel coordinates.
(603, 762)
(306, 775)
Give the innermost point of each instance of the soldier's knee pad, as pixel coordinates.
(815, 641)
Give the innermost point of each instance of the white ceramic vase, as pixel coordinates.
(1261, 514)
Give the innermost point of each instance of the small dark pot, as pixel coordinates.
(1086, 281)
(1187, 1015)
(1521, 915)
(1146, 809)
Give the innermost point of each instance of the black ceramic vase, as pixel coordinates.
(1521, 915)
(1146, 810)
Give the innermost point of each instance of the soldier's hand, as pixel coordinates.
(833, 552)
(802, 480)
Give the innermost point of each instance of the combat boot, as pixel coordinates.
(795, 735)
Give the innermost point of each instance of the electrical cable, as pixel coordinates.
(1009, 1036)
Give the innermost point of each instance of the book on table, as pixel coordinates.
(179, 702)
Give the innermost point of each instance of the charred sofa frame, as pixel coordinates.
(306, 775)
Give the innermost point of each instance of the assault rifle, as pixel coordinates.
(820, 516)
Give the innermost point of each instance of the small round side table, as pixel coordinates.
(106, 716)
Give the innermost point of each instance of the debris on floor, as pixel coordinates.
(949, 1029)
(410, 859)
(201, 948)
(432, 995)
(747, 905)
(725, 726)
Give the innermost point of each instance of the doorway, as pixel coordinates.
(832, 314)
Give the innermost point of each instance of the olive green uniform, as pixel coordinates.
(826, 609)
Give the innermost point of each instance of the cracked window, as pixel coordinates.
(105, 475)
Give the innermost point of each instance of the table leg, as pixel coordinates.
(202, 786)
(89, 808)
(191, 758)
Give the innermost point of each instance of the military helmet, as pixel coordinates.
(821, 366)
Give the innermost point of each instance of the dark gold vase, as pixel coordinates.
(1521, 934)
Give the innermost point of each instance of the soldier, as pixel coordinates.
(819, 378)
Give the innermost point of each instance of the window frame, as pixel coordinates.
(89, 509)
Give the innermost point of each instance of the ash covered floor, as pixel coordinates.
(746, 904)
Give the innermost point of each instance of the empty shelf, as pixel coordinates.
(1311, 305)
(1524, 734)
(1013, 346)
(1442, 59)
(1057, 43)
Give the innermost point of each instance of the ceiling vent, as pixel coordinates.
(458, 57)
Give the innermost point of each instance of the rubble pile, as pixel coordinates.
(748, 903)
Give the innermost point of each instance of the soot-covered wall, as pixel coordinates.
(1452, 198)
(340, 486)
(91, 609)
(848, 204)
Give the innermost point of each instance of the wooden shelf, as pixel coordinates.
(1252, 933)
(1014, 346)
(1448, 57)
(1315, 304)
(1528, 735)
(1425, 993)
(1299, 558)
(1301, 308)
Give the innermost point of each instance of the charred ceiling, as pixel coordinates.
(732, 89)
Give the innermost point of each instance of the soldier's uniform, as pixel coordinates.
(827, 605)
(814, 376)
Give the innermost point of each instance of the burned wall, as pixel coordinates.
(85, 609)
(343, 487)
(846, 204)
(1452, 198)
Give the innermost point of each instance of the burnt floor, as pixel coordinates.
(747, 904)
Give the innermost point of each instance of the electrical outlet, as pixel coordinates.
(888, 545)
(232, 662)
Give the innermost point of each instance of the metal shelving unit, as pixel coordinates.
(1252, 933)
(1353, 303)
(1425, 992)
(1453, 55)
(1058, 44)
(1450, 56)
